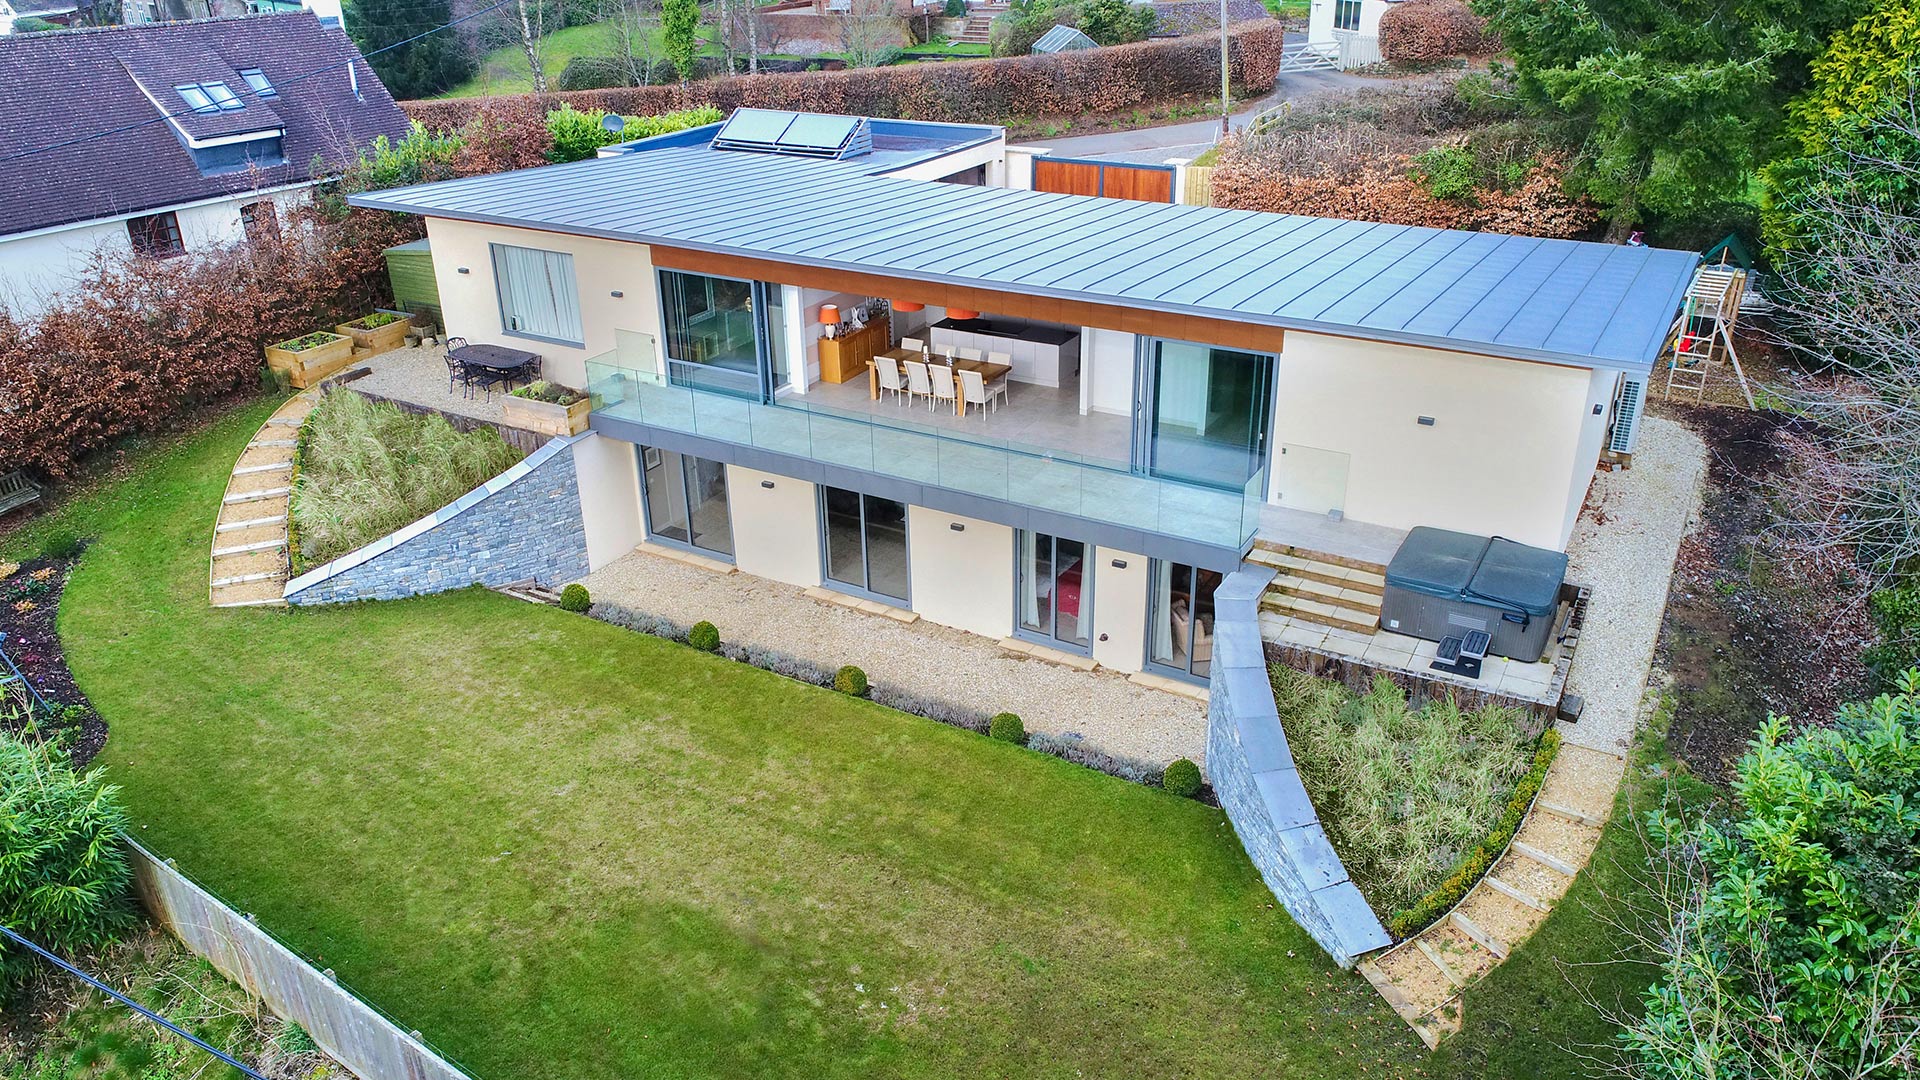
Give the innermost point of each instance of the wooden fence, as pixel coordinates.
(352, 1032)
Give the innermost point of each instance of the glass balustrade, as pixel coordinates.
(1041, 477)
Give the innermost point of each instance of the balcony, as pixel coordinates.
(1101, 491)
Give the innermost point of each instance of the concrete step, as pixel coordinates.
(1323, 614)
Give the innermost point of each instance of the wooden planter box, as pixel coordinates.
(379, 339)
(545, 417)
(309, 366)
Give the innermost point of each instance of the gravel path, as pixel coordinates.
(1624, 547)
(419, 375)
(933, 661)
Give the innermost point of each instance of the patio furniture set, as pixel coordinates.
(483, 367)
(963, 376)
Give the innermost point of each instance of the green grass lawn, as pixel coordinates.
(560, 849)
(505, 70)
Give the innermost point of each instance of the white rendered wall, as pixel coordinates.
(1502, 456)
(776, 530)
(1119, 609)
(470, 303)
(609, 477)
(1320, 20)
(1106, 371)
(961, 579)
(1593, 435)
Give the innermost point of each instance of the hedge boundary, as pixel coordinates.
(1475, 864)
(1088, 82)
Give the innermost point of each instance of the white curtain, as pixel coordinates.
(1163, 612)
(537, 292)
(1029, 587)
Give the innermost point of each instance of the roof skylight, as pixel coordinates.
(209, 97)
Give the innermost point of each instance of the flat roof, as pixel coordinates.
(1558, 301)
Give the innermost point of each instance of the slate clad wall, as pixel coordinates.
(524, 523)
(1254, 777)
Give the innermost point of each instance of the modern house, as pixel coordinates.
(1184, 383)
(189, 135)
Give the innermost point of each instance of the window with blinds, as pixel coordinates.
(537, 294)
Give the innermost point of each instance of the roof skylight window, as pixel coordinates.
(209, 97)
(258, 80)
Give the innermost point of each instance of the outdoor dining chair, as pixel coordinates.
(456, 371)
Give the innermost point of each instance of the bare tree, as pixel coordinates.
(1850, 306)
(532, 30)
(867, 30)
(636, 45)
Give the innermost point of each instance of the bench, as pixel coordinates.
(16, 490)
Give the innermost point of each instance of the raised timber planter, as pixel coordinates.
(309, 366)
(545, 417)
(378, 339)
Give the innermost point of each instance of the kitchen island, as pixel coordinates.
(1040, 353)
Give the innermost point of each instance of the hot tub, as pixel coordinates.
(1442, 583)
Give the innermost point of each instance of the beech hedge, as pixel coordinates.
(1425, 31)
(1088, 82)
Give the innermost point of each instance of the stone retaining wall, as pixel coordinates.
(524, 523)
(1254, 777)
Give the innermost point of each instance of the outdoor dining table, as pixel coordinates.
(988, 371)
(494, 357)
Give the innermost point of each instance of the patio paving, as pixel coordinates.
(1109, 711)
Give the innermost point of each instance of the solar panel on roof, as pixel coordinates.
(755, 126)
(813, 131)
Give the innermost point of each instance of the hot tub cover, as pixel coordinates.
(1489, 570)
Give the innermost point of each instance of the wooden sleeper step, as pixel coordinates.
(1514, 893)
(1552, 862)
(256, 496)
(250, 523)
(1481, 937)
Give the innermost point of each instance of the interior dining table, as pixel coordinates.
(988, 372)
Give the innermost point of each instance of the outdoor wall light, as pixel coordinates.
(1596, 408)
(956, 526)
(464, 270)
(1119, 564)
(1426, 421)
(768, 484)
(616, 294)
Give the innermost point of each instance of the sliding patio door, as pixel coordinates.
(686, 500)
(1204, 412)
(1180, 619)
(864, 539)
(723, 334)
(1052, 590)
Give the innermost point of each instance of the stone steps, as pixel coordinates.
(247, 558)
(1318, 588)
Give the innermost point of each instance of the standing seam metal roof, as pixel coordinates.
(1560, 301)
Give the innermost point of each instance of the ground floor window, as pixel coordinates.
(260, 222)
(686, 500)
(1180, 629)
(1053, 595)
(1346, 14)
(865, 541)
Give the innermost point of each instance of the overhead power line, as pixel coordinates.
(250, 91)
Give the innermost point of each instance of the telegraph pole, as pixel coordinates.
(1224, 126)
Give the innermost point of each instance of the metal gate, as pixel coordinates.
(1108, 179)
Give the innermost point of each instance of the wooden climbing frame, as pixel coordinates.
(1700, 343)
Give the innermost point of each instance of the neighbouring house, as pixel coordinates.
(1349, 30)
(58, 12)
(1182, 384)
(189, 135)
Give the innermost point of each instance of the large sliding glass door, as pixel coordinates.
(864, 539)
(686, 500)
(1052, 590)
(1204, 412)
(1180, 619)
(723, 334)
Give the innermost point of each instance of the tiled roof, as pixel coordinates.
(1562, 301)
(64, 85)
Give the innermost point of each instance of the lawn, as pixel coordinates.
(505, 70)
(565, 850)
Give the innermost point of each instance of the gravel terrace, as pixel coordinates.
(1112, 713)
(419, 375)
(1624, 548)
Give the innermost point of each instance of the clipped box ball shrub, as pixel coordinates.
(704, 636)
(574, 598)
(1182, 778)
(1007, 727)
(1427, 31)
(850, 680)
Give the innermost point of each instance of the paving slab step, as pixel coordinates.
(1321, 556)
(1325, 614)
(1326, 593)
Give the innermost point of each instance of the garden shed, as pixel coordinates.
(410, 270)
(1063, 39)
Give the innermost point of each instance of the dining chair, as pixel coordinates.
(487, 378)
(1005, 390)
(943, 389)
(970, 354)
(913, 344)
(975, 391)
(918, 383)
(890, 377)
(456, 370)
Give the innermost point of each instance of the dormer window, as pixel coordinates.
(209, 97)
(258, 80)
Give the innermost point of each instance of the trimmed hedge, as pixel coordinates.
(1426, 31)
(1007, 727)
(1474, 865)
(1088, 82)
(851, 681)
(1182, 778)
